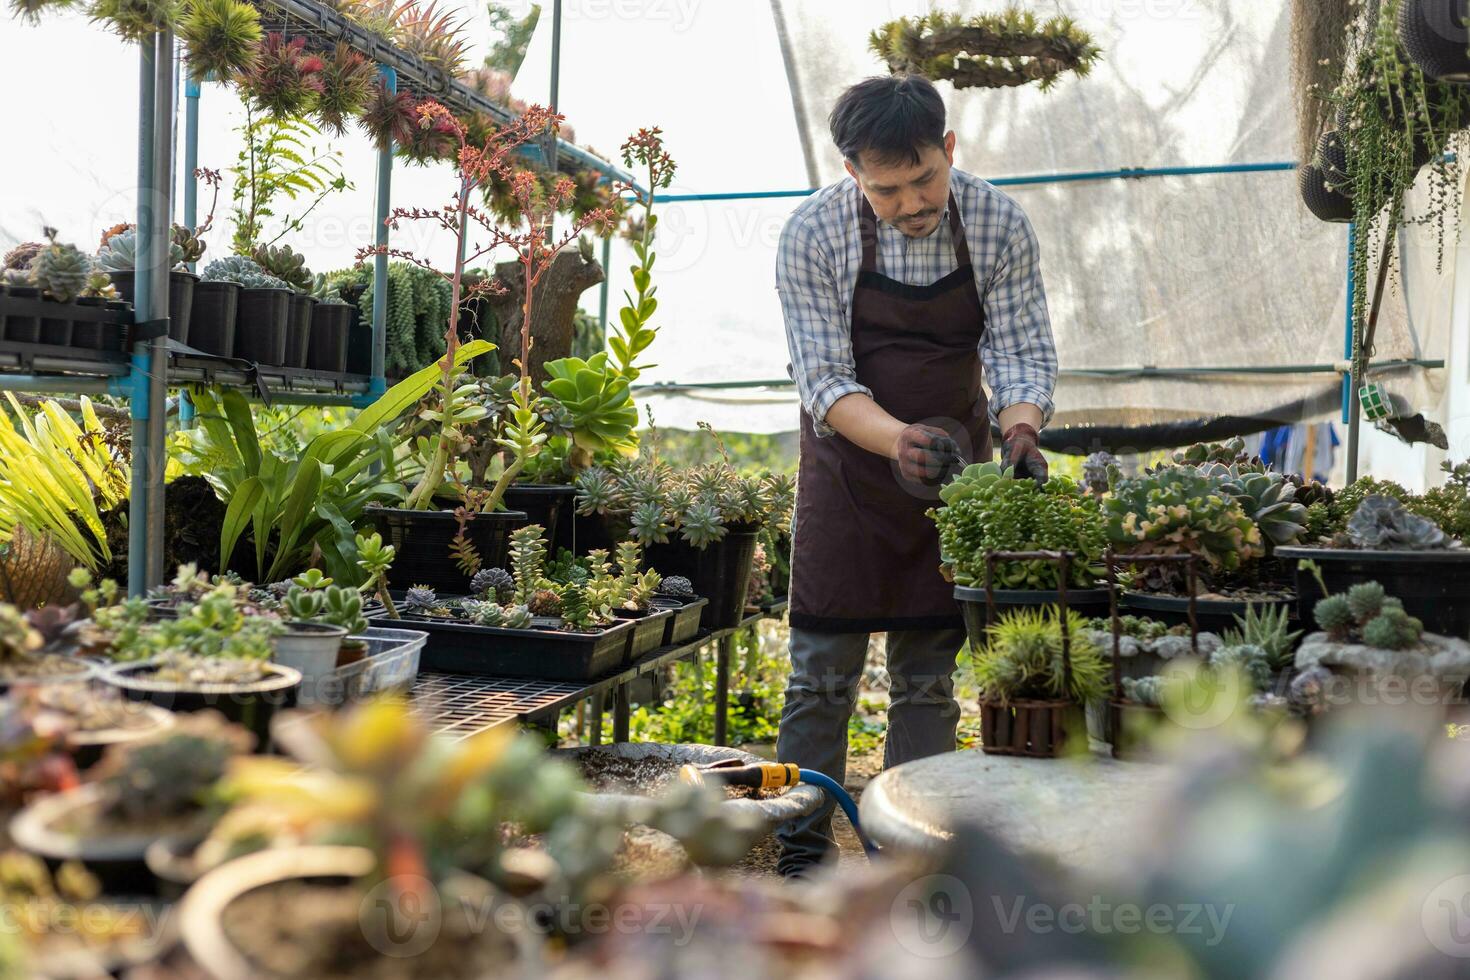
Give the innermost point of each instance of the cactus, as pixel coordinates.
(677, 586)
(120, 254)
(545, 602)
(61, 271)
(493, 583)
(1383, 523)
(420, 599)
(527, 557)
(1334, 615)
(517, 618)
(287, 265)
(1365, 600)
(1393, 629)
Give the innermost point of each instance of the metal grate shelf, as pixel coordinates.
(462, 705)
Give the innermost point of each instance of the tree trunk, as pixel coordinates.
(553, 312)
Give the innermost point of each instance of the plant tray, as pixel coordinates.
(454, 647)
(1211, 615)
(391, 664)
(1433, 585)
(1039, 729)
(683, 625)
(648, 631)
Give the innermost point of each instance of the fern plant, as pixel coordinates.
(278, 161)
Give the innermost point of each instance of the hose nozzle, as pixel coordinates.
(761, 775)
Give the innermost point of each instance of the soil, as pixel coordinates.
(648, 776)
(40, 665)
(90, 711)
(191, 521)
(297, 929)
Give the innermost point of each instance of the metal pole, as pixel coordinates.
(377, 384)
(726, 649)
(1347, 327)
(606, 285)
(191, 157)
(162, 190)
(143, 307)
(550, 153)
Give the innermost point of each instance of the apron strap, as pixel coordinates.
(957, 234)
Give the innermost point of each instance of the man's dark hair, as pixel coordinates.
(890, 117)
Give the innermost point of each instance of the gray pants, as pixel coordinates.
(820, 695)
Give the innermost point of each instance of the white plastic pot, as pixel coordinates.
(310, 648)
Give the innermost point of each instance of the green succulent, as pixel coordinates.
(136, 20)
(485, 613)
(702, 524)
(159, 779)
(527, 558)
(1384, 523)
(599, 401)
(576, 610)
(1147, 691)
(286, 265)
(1333, 614)
(1270, 501)
(324, 292)
(1365, 600)
(780, 494)
(60, 270)
(220, 37)
(1232, 454)
(649, 524)
(245, 271)
(1250, 660)
(120, 254)
(1177, 510)
(1267, 630)
(597, 492)
(516, 618)
(1393, 629)
(977, 479)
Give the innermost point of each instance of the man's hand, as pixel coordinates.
(925, 453)
(1019, 448)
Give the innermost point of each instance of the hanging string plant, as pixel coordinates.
(1319, 31)
(1001, 50)
(348, 85)
(221, 38)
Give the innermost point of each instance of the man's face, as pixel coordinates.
(909, 196)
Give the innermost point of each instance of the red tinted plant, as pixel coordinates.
(285, 79)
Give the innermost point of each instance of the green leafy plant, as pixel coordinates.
(330, 604)
(221, 38)
(1266, 629)
(527, 558)
(348, 83)
(1269, 499)
(599, 404)
(278, 161)
(997, 50)
(1448, 505)
(375, 559)
(631, 334)
(136, 20)
(283, 80)
(1022, 660)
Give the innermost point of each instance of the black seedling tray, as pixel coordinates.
(683, 625)
(648, 631)
(456, 647)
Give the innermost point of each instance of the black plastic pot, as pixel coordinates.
(683, 625)
(250, 705)
(1084, 602)
(422, 538)
(359, 348)
(1332, 159)
(180, 299)
(720, 572)
(1324, 202)
(262, 325)
(88, 334)
(330, 323)
(593, 531)
(57, 329)
(3, 291)
(1434, 36)
(454, 647)
(549, 505)
(23, 329)
(1433, 585)
(212, 321)
(1211, 615)
(647, 634)
(86, 748)
(298, 333)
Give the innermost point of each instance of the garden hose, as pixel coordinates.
(776, 775)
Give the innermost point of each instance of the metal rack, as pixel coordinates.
(144, 374)
(463, 705)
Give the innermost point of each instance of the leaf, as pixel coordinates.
(406, 393)
(243, 503)
(301, 503)
(629, 318)
(242, 425)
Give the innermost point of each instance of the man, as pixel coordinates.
(898, 286)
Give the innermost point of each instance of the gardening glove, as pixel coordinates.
(1019, 448)
(925, 454)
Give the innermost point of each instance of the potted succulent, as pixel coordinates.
(290, 267)
(96, 718)
(26, 656)
(443, 541)
(1034, 683)
(118, 258)
(61, 272)
(139, 793)
(1379, 532)
(676, 594)
(987, 509)
(263, 316)
(331, 324)
(311, 636)
(628, 592)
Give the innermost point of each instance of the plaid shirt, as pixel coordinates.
(817, 266)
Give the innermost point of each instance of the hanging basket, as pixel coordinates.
(1332, 159)
(1324, 202)
(1038, 729)
(1435, 38)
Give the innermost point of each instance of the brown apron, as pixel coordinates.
(865, 558)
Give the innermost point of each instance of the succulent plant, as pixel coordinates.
(494, 583)
(1367, 615)
(1098, 470)
(527, 557)
(1266, 629)
(517, 618)
(1023, 659)
(1144, 690)
(330, 604)
(324, 292)
(1230, 453)
(576, 610)
(286, 265)
(1365, 600)
(60, 270)
(120, 254)
(1393, 629)
(170, 775)
(220, 37)
(230, 269)
(1177, 510)
(420, 599)
(20, 256)
(1308, 690)
(485, 613)
(677, 586)
(545, 602)
(99, 285)
(1334, 615)
(1252, 662)
(702, 524)
(780, 494)
(1270, 500)
(600, 402)
(1383, 523)
(597, 492)
(649, 524)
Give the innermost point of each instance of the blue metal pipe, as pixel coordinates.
(380, 261)
(63, 385)
(142, 300)
(1347, 333)
(829, 785)
(191, 157)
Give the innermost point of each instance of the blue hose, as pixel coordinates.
(839, 794)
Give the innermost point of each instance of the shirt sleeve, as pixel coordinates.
(817, 330)
(1018, 350)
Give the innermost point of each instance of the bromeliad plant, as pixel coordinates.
(476, 164)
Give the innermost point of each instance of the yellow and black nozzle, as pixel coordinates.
(732, 772)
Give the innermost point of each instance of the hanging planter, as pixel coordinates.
(1326, 203)
(1332, 159)
(1434, 35)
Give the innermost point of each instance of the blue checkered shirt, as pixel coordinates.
(817, 266)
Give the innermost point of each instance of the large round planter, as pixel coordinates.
(549, 505)
(212, 321)
(720, 572)
(330, 323)
(116, 859)
(249, 705)
(1211, 615)
(180, 299)
(422, 538)
(262, 325)
(1434, 36)
(1323, 201)
(311, 649)
(87, 747)
(1084, 602)
(23, 329)
(85, 671)
(298, 333)
(1433, 585)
